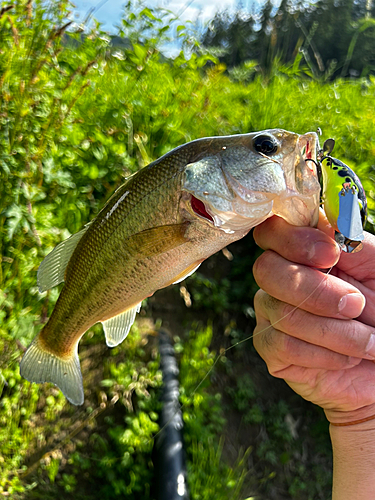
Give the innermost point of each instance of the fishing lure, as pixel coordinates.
(344, 200)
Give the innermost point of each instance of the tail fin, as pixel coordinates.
(40, 366)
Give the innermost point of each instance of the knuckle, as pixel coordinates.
(262, 233)
(286, 348)
(274, 371)
(355, 336)
(261, 267)
(267, 306)
(272, 347)
(257, 235)
(259, 299)
(265, 343)
(269, 338)
(325, 330)
(271, 303)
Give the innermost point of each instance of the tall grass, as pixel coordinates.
(76, 116)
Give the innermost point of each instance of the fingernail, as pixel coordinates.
(370, 348)
(352, 304)
(321, 253)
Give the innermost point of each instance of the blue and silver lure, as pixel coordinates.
(344, 200)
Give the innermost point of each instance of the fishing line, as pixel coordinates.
(179, 407)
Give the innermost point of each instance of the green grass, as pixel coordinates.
(75, 119)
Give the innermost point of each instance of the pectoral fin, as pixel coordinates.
(157, 240)
(117, 328)
(52, 270)
(186, 272)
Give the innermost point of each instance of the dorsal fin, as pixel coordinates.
(52, 270)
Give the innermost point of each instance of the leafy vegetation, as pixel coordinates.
(77, 115)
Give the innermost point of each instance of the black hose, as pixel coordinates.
(169, 450)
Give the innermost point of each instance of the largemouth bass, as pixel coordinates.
(156, 230)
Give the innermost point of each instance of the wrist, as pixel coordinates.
(355, 443)
(351, 418)
(353, 461)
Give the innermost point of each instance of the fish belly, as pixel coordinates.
(124, 280)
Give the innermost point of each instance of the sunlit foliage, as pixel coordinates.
(77, 115)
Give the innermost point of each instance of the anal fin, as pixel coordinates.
(117, 328)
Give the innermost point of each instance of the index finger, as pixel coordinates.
(360, 265)
(303, 245)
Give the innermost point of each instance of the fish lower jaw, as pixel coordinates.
(237, 216)
(234, 221)
(298, 210)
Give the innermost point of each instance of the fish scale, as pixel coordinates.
(97, 255)
(156, 230)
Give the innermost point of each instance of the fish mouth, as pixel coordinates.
(299, 203)
(229, 221)
(309, 147)
(307, 169)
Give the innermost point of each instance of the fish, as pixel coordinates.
(156, 230)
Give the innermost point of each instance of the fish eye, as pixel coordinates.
(265, 144)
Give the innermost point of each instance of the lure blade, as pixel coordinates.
(349, 221)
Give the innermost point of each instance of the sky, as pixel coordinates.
(108, 12)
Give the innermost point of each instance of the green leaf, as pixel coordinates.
(147, 12)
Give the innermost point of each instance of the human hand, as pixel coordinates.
(324, 354)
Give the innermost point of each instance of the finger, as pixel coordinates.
(348, 337)
(360, 265)
(367, 288)
(304, 245)
(281, 351)
(307, 288)
(324, 225)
